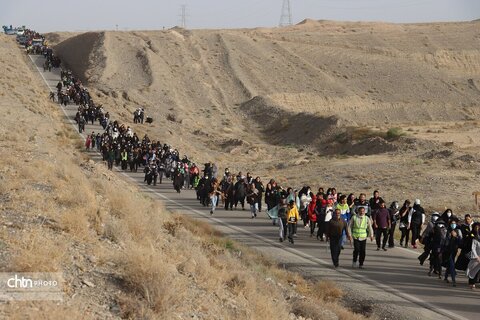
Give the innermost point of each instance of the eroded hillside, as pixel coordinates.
(270, 100)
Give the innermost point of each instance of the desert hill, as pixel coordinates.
(326, 87)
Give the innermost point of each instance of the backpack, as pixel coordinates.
(439, 234)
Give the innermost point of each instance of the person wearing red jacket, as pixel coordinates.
(194, 172)
(312, 215)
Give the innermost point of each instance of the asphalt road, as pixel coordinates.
(392, 282)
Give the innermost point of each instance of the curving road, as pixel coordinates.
(393, 284)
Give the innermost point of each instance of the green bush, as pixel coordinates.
(395, 133)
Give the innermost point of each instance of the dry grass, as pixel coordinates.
(154, 279)
(198, 228)
(75, 222)
(36, 253)
(327, 291)
(45, 310)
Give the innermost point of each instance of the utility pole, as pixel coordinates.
(286, 17)
(184, 16)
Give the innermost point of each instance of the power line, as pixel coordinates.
(183, 23)
(286, 17)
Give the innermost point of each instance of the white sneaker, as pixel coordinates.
(354, 265)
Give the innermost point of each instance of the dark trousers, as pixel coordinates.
(426, 253)
(437, 260)
(415, 232)
(229, 202)
(378, 236)
(321, 228)
(359, 248)
(391, 234)
(450, 269)
(335, 249)
(405, 236)
(304, 215)
(312, 227)
(291, 230)
(242, 202)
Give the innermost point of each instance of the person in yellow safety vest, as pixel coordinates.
(359, 228)
(292, 218)
(124, 157)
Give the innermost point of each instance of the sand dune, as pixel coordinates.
(333, 88)
(312, 67)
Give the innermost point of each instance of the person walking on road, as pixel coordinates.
(214, 194)
(282, 219)
(438, 241)
(261, 189)
(466, 245)
(252, 199)
(393, 210)
(473, 269)
(427, 238)
(362, 202)
(320, 208)
(450, 250)
(403, 225)
(375, 201)
(344, 208)
(270, 199)
(292, 219)
(381, 223)
(240, 189)
(416, 218)
(312, 215)
(110, 158)
(359, 228)
(305, 200)
(336, 228)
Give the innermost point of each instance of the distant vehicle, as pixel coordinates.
(20, 32)
(37, 42)
(9, 30)
(22, 40)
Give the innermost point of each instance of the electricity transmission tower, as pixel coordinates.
(286, 17)
(183, 23)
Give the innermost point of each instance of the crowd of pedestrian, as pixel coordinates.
(327, 215)
(448, 243)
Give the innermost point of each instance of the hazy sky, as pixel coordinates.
(68, 15)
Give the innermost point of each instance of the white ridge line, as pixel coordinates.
(297, 252)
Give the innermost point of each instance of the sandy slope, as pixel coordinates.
(264, 94)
